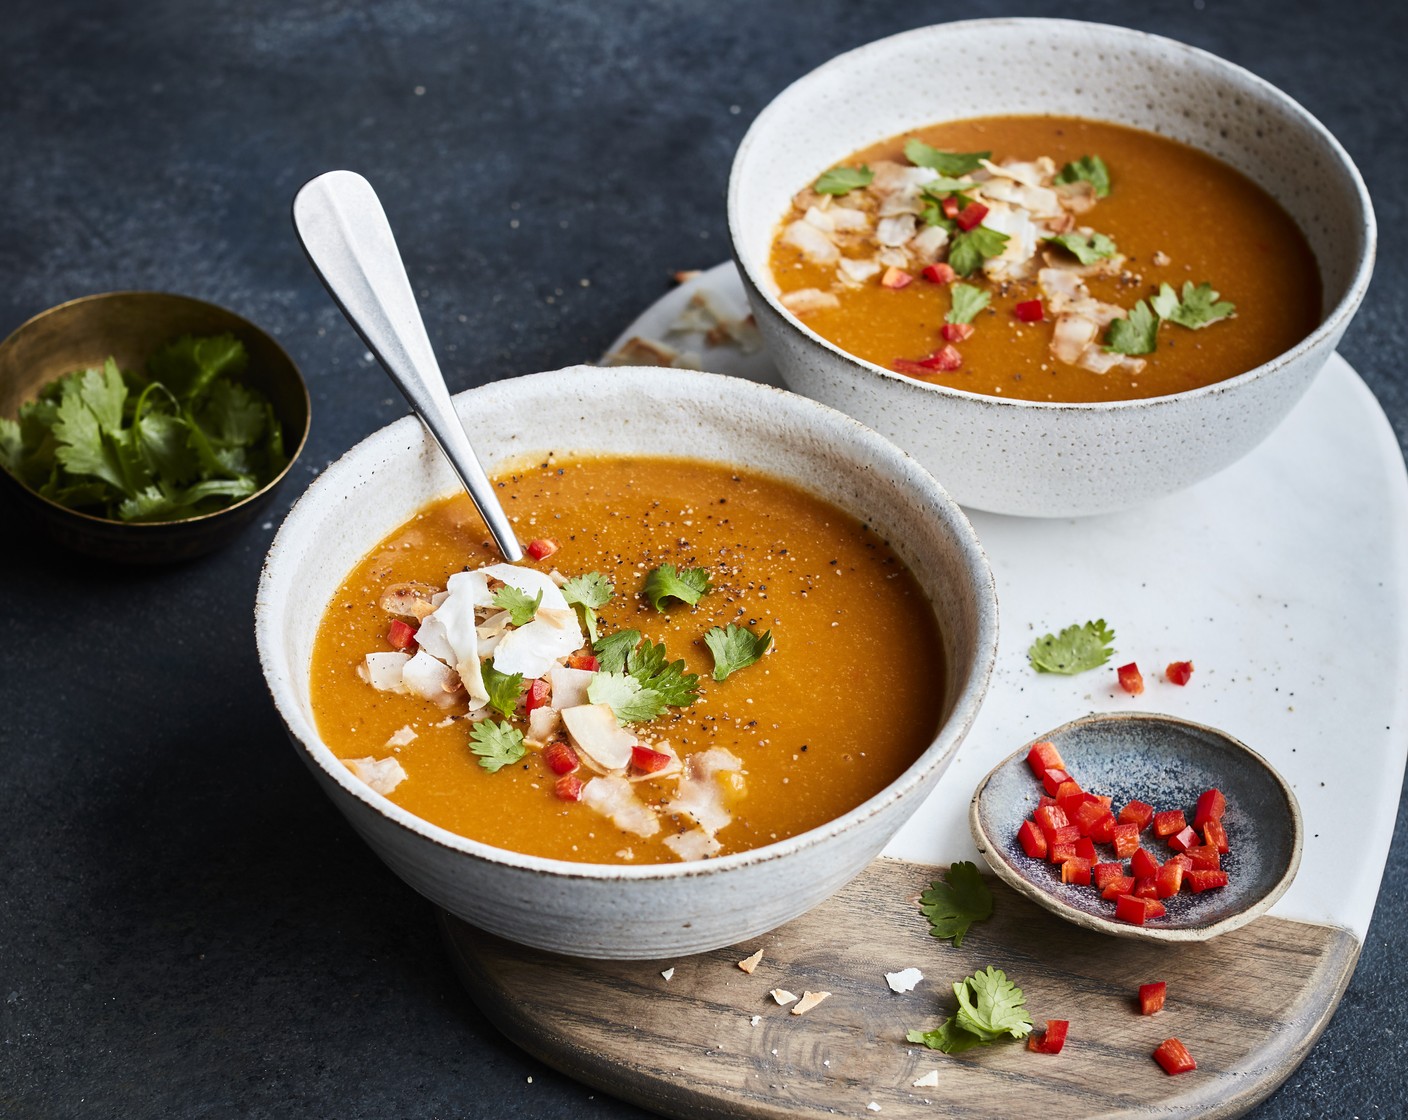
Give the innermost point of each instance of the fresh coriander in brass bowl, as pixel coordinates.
(146, 427)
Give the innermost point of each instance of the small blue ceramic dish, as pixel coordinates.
(1166, 762)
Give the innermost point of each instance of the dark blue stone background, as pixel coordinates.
(187, 928)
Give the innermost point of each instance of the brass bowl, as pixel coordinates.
(130, 326)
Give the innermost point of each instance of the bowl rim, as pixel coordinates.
(141, 526)
(1033, 891)
(404, 436)
(1332, 322)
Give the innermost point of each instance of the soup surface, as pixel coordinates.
(847, 694)
(1147, 214)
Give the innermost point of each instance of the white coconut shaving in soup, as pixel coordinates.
(506, 644)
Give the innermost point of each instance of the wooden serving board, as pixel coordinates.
(1248, 1005)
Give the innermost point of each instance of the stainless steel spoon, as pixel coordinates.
(348, 240)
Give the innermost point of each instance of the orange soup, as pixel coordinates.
(618, 742)
(1049, 259)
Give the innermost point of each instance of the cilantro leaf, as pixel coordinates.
(648, 665)
(1092, 169)
(735, 647)
(1138, 334)
(947, 1036)
(969, 250)
(1199, 307)
(666, 582)
(496, 743)
(1075, 650)
(587, 592)
(151, 503)
(188, 365)
(843, 180)
(967, 302)
(611, 651)
(11, 444)
(990, 1006)
(521, 609)
(1087, 250)
(956, 903)
(945, 163)
(88, 427)
(503, 688)
(628, 698)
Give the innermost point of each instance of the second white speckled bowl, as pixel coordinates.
(1034, 458)
(657, 910)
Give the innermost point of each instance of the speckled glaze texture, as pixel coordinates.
(646, 911)
(1032, 458)
(1167, 762)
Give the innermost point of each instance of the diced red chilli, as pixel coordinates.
(950, 206)
(1050, 1040)
(568, 788)
(1169, 880)
(957, 332)
(1071, 802)
(1199, 881)
(1131, 679)
(1050, 817)
(1076, 871)
(1085, 848)
(1151, 997)
(1204, 858)
(648, 761)
(1105, 801)
(944, 361)
(940, 273)
(1032, 839)
(1145, 888)
(1103, 830)
(1066, 834)
(895, 278)
(1216, 836)
(1106, 873)
(1178, 672)
(1069, 788)
(1125, 839)
(1117, 887)
(1168, 822)
(971, 215)
(1143, 865)
(1211, 807)
(1087, 814)
(1043, 799)
(1029, 311)
(1174, 1057)
(1137, 812)
(1182, 841)
(1130, 909)
(400, 634)
(1182, 860)
(560, 758)
(1052, 780)
(1061, 851)
(1043, 757)
(580, 660)
(536, 694)
(541, 548)
(1153, 908)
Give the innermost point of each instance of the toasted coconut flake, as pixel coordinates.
(849, 220)
(430, 678)
(748, 964)
(1099, 360)
(808, 1001)
(597, 736)
(928, 243)
(384, 671)
(811, 242)
(569, 686)
(904, 980)
(614, 797)
(929, 1081)
(820, 218)
(450, 634)
(383, 775)
(543, 724)
(535, 648)
(669, 973)
(1070, 337)
(402, 737)
(806, 300)
(1077, 197)
(1012, 262)
(528, 580)
(638, 351)
(856, 272)
(782, 997)
(701, 797)
(894, 232)
(407, 600)
(1039, 202)
(693, 845)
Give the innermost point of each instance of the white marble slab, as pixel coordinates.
(1284, 580)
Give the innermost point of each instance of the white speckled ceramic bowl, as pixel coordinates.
(1050, 459)
(627, 911)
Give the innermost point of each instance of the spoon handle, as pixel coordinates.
(344, 231)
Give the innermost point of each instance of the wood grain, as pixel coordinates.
(1248, 1005)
